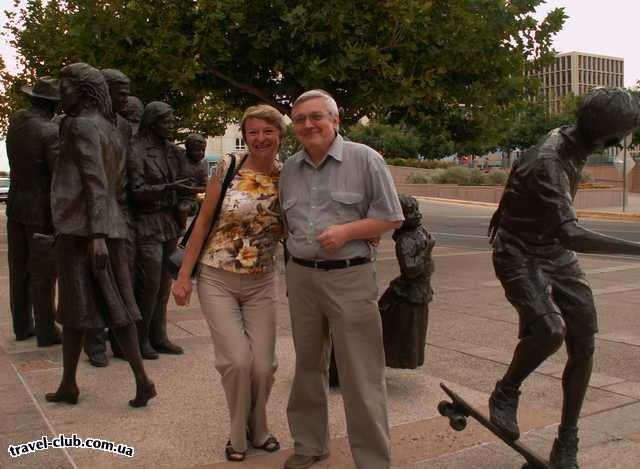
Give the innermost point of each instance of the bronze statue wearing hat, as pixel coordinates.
(32, 148)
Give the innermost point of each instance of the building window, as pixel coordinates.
(240, 146)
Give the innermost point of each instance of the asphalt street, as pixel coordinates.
(466, 225)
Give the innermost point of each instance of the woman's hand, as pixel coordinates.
(182, 291)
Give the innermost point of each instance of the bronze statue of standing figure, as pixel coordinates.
(536, 234)
(32, 149)
(118, 83)
(95, 286)
(404, 306)
(154, 171)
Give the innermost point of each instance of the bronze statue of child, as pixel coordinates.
(535, 235)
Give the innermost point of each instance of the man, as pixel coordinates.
(536, 233)
(32, 149)
(335, 196)
(118, 83)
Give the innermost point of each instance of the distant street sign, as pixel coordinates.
(619, 162)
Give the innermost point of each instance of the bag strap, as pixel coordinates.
(231, 173)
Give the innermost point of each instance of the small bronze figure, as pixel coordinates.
(32, 149)
(535, 234)
(133, 113)
(95, 286)
(196, 170)
(404, 306)
(154, 171)
(118, 83)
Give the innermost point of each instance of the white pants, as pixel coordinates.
(241, 312)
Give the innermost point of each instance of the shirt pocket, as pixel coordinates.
(348, 205)
(287, 206)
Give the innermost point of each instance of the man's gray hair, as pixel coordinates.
(332, 106)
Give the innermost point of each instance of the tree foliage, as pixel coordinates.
(526, 122)
(392, 141)
(409, 61)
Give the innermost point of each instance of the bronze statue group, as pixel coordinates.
(101, 194)
(106, 193)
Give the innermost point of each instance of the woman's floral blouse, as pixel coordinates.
(247, 232)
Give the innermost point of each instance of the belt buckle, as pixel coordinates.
(315, 264)
(348, 262)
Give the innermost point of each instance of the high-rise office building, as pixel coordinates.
(577, 73)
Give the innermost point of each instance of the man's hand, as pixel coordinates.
(334, 237)
(99, 254)
(182, 291)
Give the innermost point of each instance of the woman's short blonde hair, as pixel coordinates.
(266, 113)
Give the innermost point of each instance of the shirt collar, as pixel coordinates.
(335, 151)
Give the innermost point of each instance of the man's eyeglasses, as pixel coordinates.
(300, 119)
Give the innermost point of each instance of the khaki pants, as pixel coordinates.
(343, 301)
(241, 312)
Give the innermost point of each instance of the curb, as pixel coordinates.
(630, 217)
(456, 201)
(590, 214)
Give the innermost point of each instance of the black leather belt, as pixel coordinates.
(330, 265)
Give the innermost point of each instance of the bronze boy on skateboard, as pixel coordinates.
(535, 232)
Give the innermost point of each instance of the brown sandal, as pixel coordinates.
(270, 445)
(233, 455)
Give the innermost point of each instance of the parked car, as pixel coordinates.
(4, 189)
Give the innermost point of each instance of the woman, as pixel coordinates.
(236, 278)
(94, 279)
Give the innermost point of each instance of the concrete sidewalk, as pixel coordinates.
(472, 333)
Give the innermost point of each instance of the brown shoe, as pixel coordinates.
(300, 461)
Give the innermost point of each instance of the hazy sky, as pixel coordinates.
(600, 27)
(594, 26)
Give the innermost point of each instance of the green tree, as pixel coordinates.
(527, 121)
(412, 61)
(290, 144)
(392, 141)
(635, 92)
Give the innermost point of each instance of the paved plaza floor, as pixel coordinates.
(472, 333)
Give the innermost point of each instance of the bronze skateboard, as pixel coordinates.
(458, 410)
